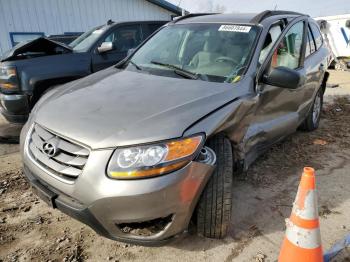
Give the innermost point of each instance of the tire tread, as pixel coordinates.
(215, 205)
(308, 124)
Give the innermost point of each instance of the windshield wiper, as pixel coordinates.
(135, 65)
(178, 70)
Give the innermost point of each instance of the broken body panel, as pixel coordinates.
(41, 46)
(42, 64)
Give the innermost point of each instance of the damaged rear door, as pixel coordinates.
(277, 112)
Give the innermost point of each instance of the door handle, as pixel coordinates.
(321, 68)
(259, 90)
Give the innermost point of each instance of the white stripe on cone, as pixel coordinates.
(304, 238)
(310, 210)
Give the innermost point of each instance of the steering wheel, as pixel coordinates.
(226, 59)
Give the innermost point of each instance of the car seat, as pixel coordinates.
(208, 55)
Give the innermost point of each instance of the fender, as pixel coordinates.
(62, 68)
(233, 119)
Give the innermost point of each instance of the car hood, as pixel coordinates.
(41, 44)
(112, 108)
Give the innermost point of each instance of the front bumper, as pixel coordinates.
(15, 108)
(107, 205)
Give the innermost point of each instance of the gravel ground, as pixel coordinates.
(31, 231)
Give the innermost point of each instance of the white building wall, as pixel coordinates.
(59, 16)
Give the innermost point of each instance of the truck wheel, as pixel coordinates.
(313, 118)
(214, 208)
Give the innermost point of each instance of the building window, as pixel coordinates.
(17, 37)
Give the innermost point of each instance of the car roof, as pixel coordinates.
(111, 24)
(239, 18)
(217, 18)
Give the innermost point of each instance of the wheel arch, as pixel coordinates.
(233, 121)
(324, 82)
(40, 86)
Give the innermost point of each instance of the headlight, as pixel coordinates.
(8, 78)
(153, 160)
(9, 71)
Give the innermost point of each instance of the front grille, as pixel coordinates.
(69, 160)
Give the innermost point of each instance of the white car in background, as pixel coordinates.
(336, 32)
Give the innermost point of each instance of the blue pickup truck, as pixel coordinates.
(31, 68)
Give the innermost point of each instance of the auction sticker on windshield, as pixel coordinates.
(235, 28)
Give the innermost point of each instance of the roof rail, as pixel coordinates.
(191, 15)
(265, 14)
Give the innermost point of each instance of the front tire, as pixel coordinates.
(313, 118)
(214, 208)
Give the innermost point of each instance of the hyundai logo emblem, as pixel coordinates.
(50, 149)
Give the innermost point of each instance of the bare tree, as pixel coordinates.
(209, 6)
(219, 8)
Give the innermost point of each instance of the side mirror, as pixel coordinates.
(105, 47)
(283, 77)
(131, 51)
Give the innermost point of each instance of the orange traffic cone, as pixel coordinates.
(303, 239)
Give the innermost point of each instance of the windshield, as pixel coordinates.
(215, 52)
(86, 40)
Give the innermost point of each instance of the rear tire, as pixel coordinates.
(313, 118)
(215, 204)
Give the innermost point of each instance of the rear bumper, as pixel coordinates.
(15, 108)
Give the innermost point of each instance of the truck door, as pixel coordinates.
(122, 38)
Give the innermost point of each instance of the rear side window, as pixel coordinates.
(149, 29)
(317, 35)
(153, 27)
(310, 45)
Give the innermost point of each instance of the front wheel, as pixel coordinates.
(214, 207)
(313, 118)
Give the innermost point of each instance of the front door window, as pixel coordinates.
(288, 52)
(125, 38)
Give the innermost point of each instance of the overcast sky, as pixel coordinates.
(312, 7)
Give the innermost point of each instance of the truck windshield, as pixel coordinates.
(86, 40)
(213, 52)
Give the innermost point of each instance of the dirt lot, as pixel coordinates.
(30, 231)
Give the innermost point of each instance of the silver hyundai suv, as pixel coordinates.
(140, 149)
